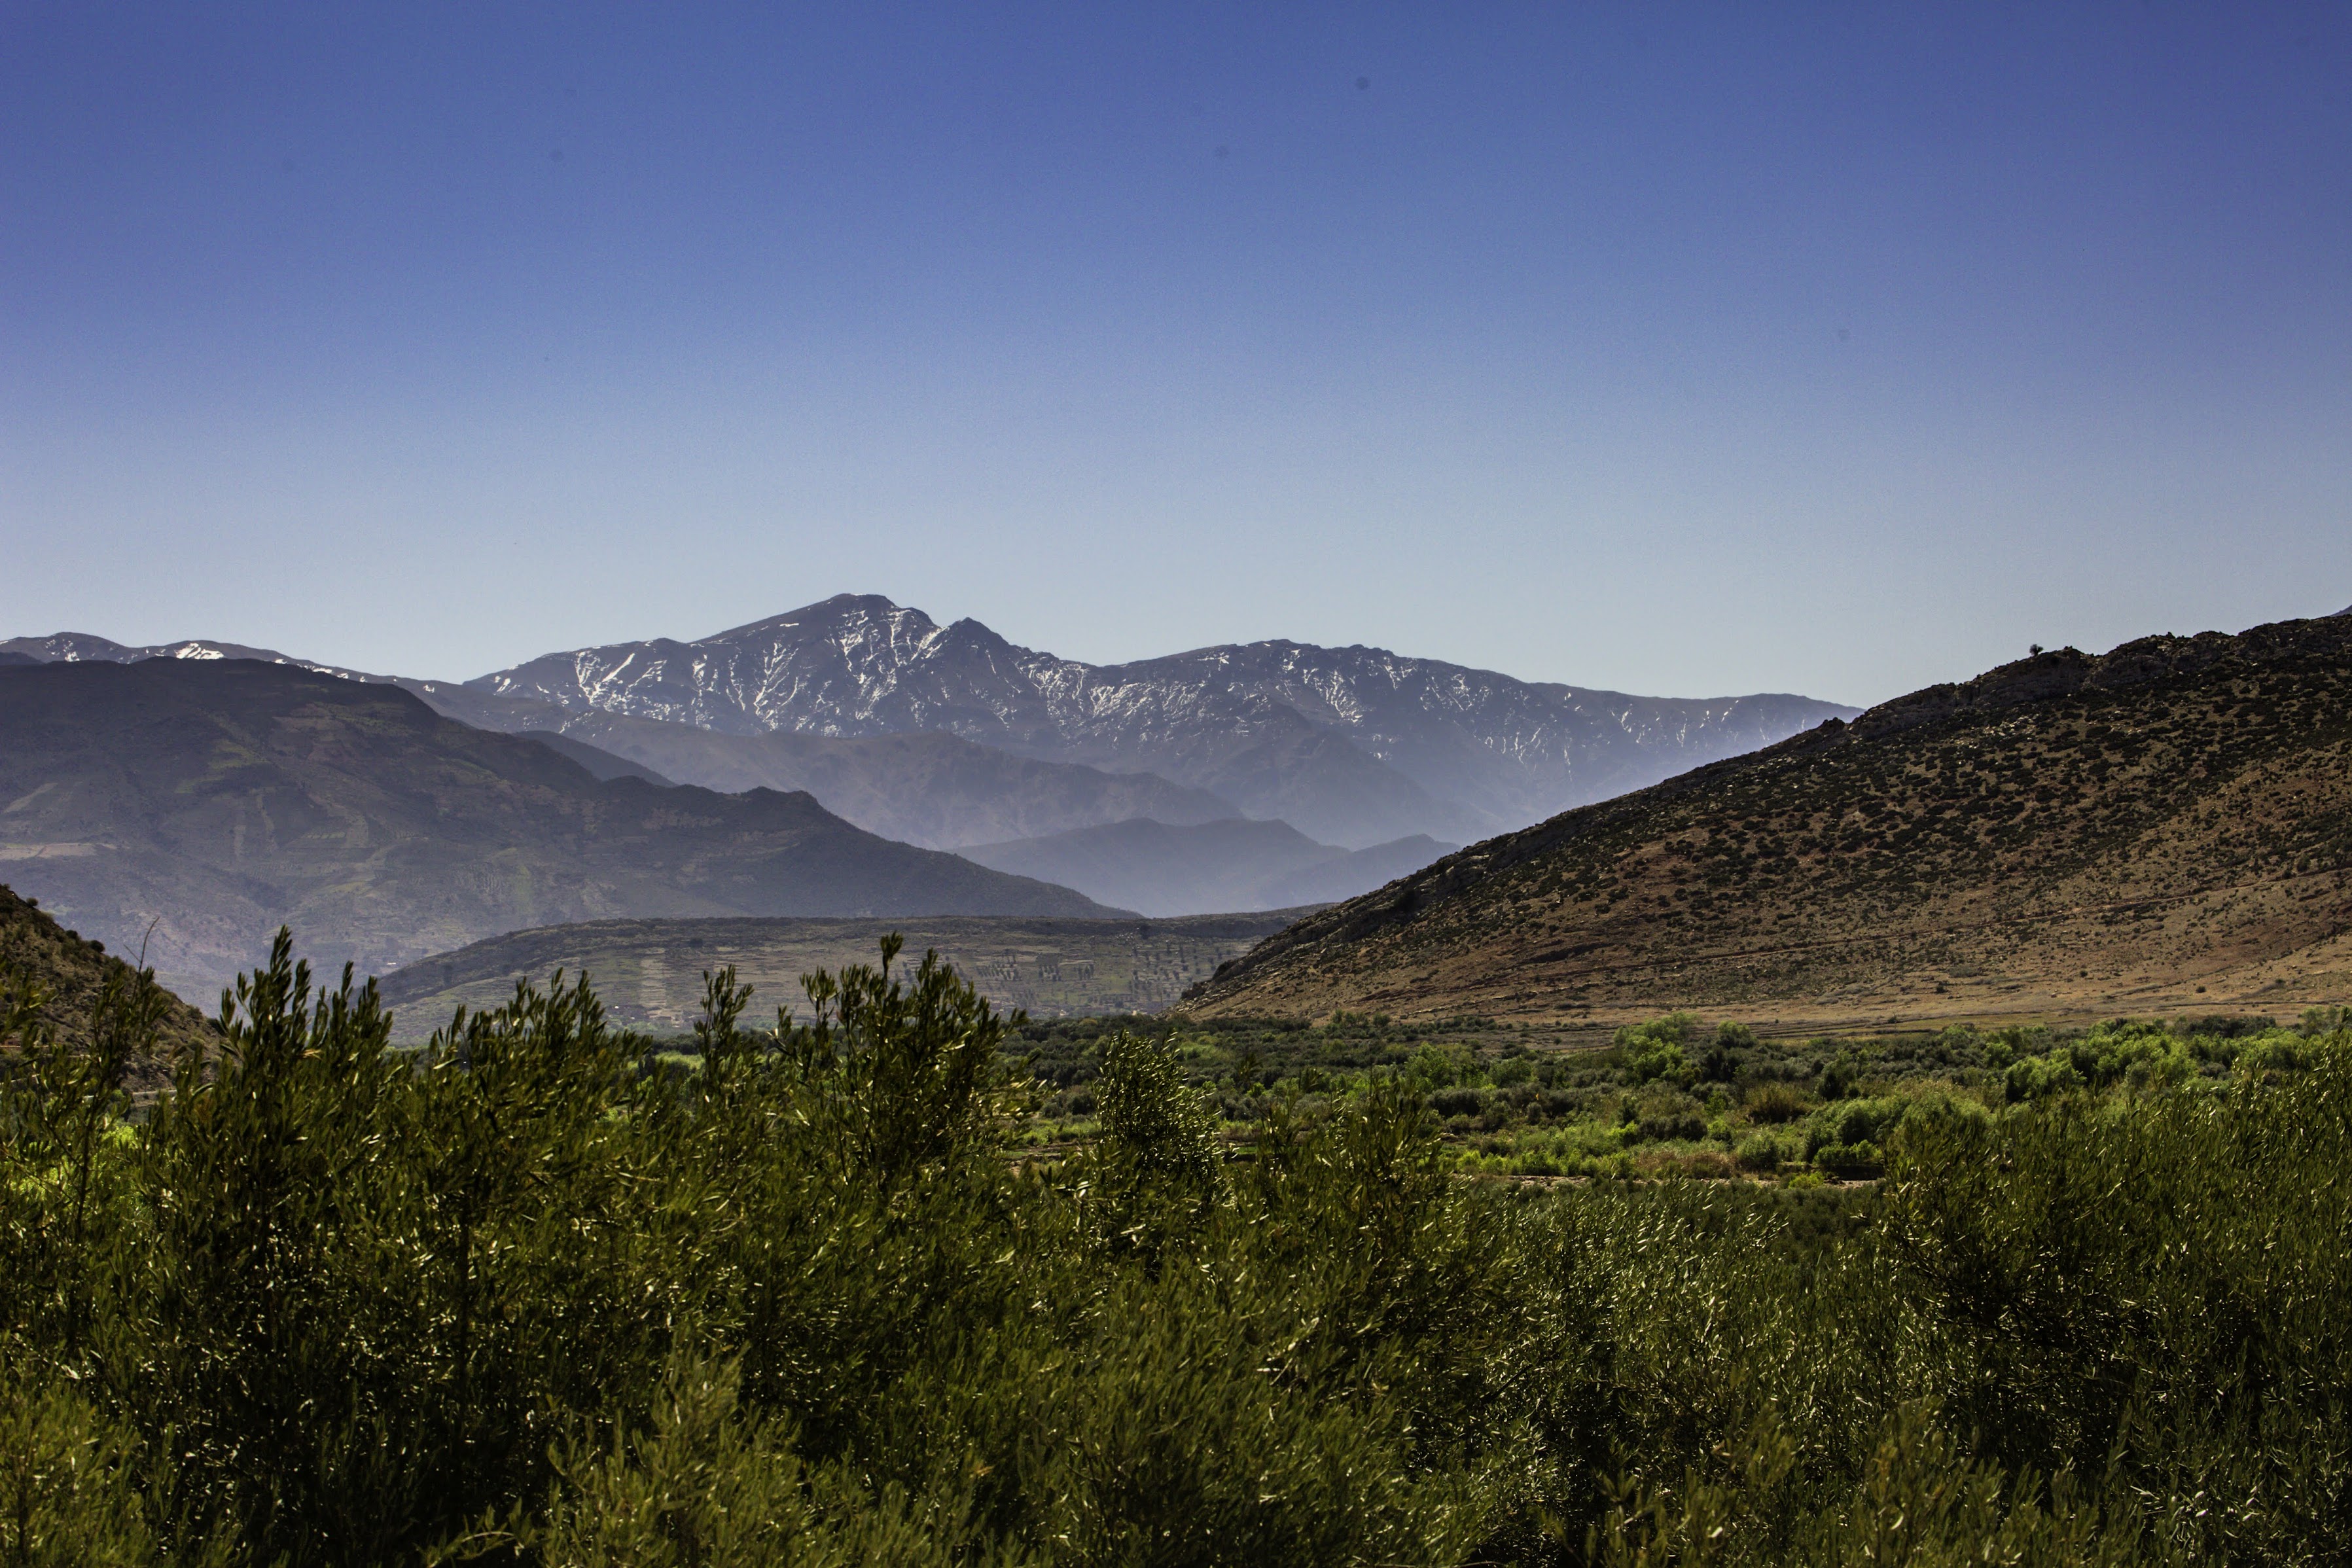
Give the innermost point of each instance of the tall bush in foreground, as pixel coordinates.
(536, 1295)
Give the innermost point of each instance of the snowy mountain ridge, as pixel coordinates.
(1355, 745)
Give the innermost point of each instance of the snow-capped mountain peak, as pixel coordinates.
(1356, 745)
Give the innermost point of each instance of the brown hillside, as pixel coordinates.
(2166, 828)
(70, 970)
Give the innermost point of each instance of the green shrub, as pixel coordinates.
(1841, 1077)
(1511, 1072)
(1774, 1103)
(1654, 1050)
(536, 1296)
(1434, 1066)
(1849, 1161)
(1665, 1113)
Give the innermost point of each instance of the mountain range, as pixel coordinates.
(952, 738)
(2166, 826)
(1353, 746)
(934, 790)
(218, 798)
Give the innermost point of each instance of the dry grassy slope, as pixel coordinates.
(2168, 826)
(70, 969)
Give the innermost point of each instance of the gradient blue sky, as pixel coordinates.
(1681, 349)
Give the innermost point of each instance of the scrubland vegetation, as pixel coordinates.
(1674, 1096)
(897, 1281)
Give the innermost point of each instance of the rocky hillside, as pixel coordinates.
(219, 799)
(2166, 826)
(71, 970)
(1353, 746)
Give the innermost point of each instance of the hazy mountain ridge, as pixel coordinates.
(82, 648)
(600, 764)
(225, 796)
(937, 790)
(2166, 826)
(1354, 746)
(1210, 867)
(933, 789)
(1443, 748)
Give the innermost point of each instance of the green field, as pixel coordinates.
(649, 972)
(1676, 1097)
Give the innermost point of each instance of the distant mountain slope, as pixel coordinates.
(1358, 872)
(482, 710)
(649, 972)
(1210, 867)
(934, 790)
(2168, 826)
(82, 648)
(226, 796)
(73, 969)
(1352, 745)
(600, 764)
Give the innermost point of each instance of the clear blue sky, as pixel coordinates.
(1676, 349)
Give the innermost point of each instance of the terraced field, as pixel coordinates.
(649, 972)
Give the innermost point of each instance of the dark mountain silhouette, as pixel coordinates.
(1213, 867)
(2166, 826)
(219, 799)
(1352, 745)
